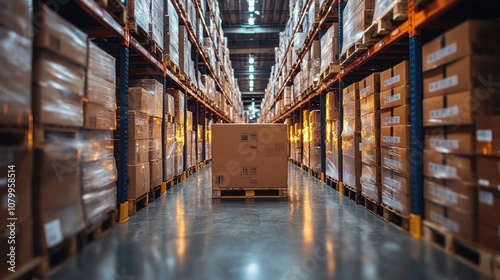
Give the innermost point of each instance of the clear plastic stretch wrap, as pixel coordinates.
(155, 88)
(172, 37)
(370, 122)
(99, 202)
(397, 159)
(155, 149)
(351, 171)
(101, 64)
(58, 92)
(371, 138)
(370, 104)
(157, 17)
(370, 173)
(354, 21)
(189, 121)
(179, 106)
(370, 154)
(170, 105)
(315, 163)
(138, 151)
(170, 148)
(371, 190)
(98, 174)
(398, 201)
(382, 7)
(329, 48)
(96, 145)
(306, 153)
(16, 16)
(139, 12)
(138, 125)
(139, 99)
(155, 127)
(179, 165)
(315, 70)
(60, 37)
(15, 76)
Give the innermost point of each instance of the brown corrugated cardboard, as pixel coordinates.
(467, 73)
(370, 155)
(138, 180)
(16, 16)
(138, 126)
(489, 206)
(460, 197)
(55, 227)
(397, 159)
(189, 121)
(249, 155)
(351, 109)
(370, 104)
(370, 121)
(23, 161)
(59, 36)
(155, 151)
(395, 181)
(488, 135)
(156, 173)
(51, 106)
(351, 171)
(395, 97)
(350, 93)
(315, 50)
(23, 247)
(138, 151)
(369, 86)
(395, 77)
(488, 172)
(139, 100)
(350, 144)
(370, 138)
(397, 136)
(155, 90)
(470, 37)
(458, 223)
(456, 140)
(449, 166)
(155, 127)
(101, 92)
(97, 116)
(395, 116)
(396, 200)
(489, 236)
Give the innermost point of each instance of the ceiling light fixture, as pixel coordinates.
(251, 76)
(251, 21)
(251, 9)
(251, 83)
(251, 69)
(251, 60)
(251, 89)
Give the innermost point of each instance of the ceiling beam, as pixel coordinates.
(251, 30)
(252, 93)
(251, 50)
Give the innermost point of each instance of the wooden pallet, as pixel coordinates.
(97, 230)
(466, 251)
(384, 24)
(373, 206)
(324, 8)
(56, 256)
(353, 194)
(169, 118)
(28, 270)
(118, 11)
(396, 218)
(156, 50)
(250, 193)
(355, 49)
(135, 205)
(170, 183)
(154, 193)
(331, 72)
(172, 66)
(334, 184)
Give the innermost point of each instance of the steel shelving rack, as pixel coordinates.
(408, 33)
(133, 59)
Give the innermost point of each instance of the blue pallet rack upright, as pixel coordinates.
(121, 151)
(341, 7)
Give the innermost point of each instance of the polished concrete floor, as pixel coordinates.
(317, 234)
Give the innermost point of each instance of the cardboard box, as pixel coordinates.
(155, 90)
(396, 200)
(395, 77)
(350, 144)
(156, 172)
(488, 136)
(60, 37)
(16, 16)
(489, 236)
(24, 244)
(449, 166)
(155, 150)
(370, 122)
(138, 151)
(52, 228)
(489, 206)
(370, 173)
(488, 172)
(456, 140)
(189, 121)
(155, 127)
(470, 37)
(467, 73)
(370, 138)
(101, 92)
(52, 106)
(351, 109)
(370, 155)
(395, 116)
(459, 224)
(397, 136)
(138, 126)
(371, 190)
(369, 86)
(332, 106)
(138, 180)
(139, 99)
(23, 162)
(397, 159)
(350, 94)
(395, 97)
(459, 197)
(97, 116)
(396, 181)
(370, 104)
(249, 156)
(101, 65)
(351, 171)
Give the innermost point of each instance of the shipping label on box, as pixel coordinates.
(457, 140)
(460, 197)
(449, 166)
(395, 97)
(395, 77)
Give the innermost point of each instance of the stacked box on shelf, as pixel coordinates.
(172, 36)
(193, 149)
(315, 144)
(369, 94)
(332, 135)
(58, 90)
(305, 138)
(15, 101)
(358, 15)
(313, 14)
(179, 108)
(189, 142)
(460, 113)
(157, 10)
(298, 142)
(351, 133)
(329, 48)
(395, 137)
(314, 63)
(200, 144)
(98, 162)
(139, 14)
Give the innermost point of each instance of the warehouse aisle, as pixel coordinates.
(317, 234)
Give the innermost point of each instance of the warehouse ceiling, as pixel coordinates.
(256, 40)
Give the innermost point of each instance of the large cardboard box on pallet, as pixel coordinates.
(457, 223)
(138, 180)
(249, 156)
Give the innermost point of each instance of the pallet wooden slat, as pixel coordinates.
(56, 256)
(134, 205)
(395, 217)
(373, 206)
